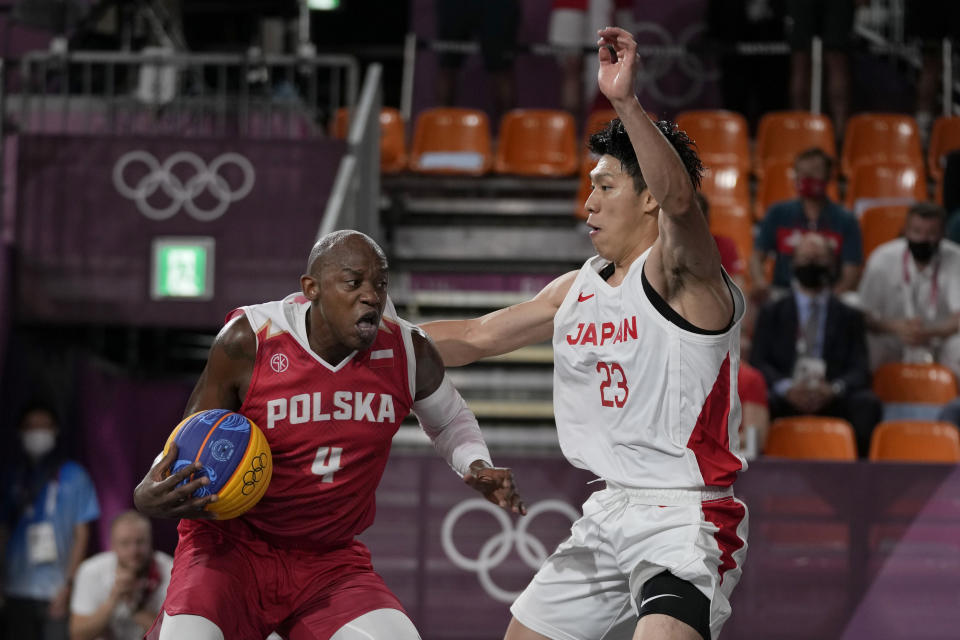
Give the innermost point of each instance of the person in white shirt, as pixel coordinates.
(646, 340)
(118, 593)
(910, 293)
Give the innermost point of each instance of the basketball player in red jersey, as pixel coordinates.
(646, 352)
(328, 379)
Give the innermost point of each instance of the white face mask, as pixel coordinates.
(38, 442)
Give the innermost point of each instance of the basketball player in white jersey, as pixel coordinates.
(646, 353)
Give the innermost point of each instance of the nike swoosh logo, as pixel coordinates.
(582, 297)
(662, 595)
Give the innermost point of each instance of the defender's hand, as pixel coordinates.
(618, 64)
(497, 485)
(158, 495)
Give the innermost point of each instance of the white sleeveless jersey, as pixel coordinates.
(639, 401)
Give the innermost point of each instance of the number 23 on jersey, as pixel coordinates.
(613, 384)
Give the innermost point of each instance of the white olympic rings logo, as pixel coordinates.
(182, 194)
(654, 68)
(495, 550)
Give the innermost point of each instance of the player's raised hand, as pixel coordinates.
(497, 485)
(618, 64)
(158, 495)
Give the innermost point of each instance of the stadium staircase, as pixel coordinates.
(460, 247)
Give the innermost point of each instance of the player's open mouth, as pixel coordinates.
(367, 325)
(593, 229)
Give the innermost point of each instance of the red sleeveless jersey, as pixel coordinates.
(329, 426)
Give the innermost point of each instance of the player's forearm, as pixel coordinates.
(455, 340)
(661, 166)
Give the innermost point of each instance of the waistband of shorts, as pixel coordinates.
(670, 497)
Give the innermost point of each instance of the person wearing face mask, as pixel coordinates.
(911, 293)
(812, 211)
(47, 507)
(811, 348)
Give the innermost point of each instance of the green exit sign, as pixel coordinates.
(182, 268)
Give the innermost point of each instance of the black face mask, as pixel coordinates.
(922, 251)
(812, 276)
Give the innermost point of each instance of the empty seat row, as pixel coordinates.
(533, 142)
(823, 438)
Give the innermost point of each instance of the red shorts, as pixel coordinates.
(249, 588)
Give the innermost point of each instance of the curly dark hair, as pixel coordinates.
(613, 140)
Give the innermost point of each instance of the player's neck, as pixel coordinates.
(621, 265)
(323, 343)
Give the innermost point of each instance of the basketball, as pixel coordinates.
(235, 456)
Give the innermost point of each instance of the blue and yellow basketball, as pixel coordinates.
(235, 456)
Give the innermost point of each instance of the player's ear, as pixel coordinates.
(648, 204)
(310, 287)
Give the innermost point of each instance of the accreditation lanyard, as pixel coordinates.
(934, 286)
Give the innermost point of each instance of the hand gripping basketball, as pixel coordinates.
(162, 494)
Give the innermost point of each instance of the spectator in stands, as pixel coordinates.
(832, 20)
(494, 23)
(813, 212)
(573, 26)
(118, 593)
(911, 293)
(812, 348)
(47, 506)
(729, 255)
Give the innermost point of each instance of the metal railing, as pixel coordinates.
(355, 198)
(159, 92)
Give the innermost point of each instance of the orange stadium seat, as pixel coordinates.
(944, 138)
(910, 382)
(881, 224)
(811, 438)
(885, 184)
(393, 137)
(451, 141)
(537, 142)
(721, 137)
(733, 220)
(587, 163)
(880, 138)
(778, 183)
(781, 135)
(726, 185)
(915, 441)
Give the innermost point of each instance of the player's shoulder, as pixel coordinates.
(558, 288)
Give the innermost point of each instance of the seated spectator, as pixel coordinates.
(118, 593)
(813, 212)
(48, 503)
(755, 423)
(812, 350)
(911, 293)
(729, 255)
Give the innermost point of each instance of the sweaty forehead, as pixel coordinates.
(608, 165)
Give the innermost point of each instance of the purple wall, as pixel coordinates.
(84, 243)
(858, 551)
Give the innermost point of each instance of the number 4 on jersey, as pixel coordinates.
(613, 384)
(327, 462)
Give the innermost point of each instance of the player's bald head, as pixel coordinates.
(330, 249)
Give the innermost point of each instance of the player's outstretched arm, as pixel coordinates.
(461, 342)
(686, 244)
(454, 431)
(222, 385)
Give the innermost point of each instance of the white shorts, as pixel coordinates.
(588, 588)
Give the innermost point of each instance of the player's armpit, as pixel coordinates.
(224, 381)
(461, 342)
